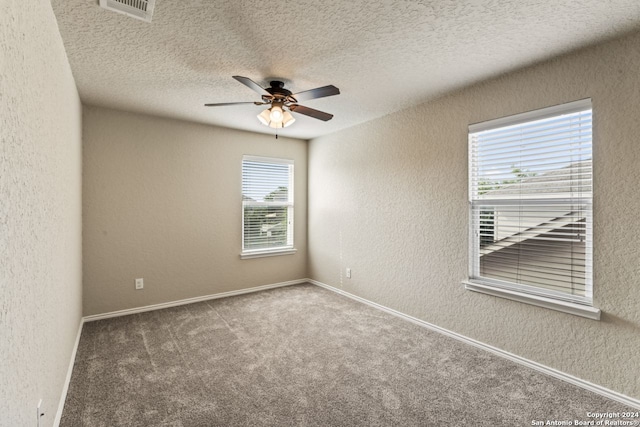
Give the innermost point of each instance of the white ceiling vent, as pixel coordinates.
(139, 9)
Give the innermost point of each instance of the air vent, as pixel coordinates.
(139, 9)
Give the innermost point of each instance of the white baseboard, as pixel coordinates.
(189, 301)
(613, 395)
(67, 381)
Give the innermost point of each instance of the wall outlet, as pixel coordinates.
(139, 283)
(348, 273)
(40, 413)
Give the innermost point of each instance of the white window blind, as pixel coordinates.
(530, 191)
(267, 204)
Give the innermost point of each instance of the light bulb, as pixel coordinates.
(276, 114)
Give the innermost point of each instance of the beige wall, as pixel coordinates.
(389, 200)
(162, 201)
(40, 213)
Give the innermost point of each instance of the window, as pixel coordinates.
(530, 194)
(267, 206)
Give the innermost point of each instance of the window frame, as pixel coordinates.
(288, 248)
(581, 306)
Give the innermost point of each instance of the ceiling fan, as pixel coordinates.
(282, 101)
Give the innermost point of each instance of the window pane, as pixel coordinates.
(265, 181)
(265, 226)
(537, 245)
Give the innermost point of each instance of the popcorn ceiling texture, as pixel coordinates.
(40, 213)
(384, 55)
(389, 200)
(162, 201)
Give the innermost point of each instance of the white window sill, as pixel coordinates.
(553, 304)
(271, 252)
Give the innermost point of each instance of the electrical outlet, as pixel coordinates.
(40, 413)
(139, 283)
(348, 273)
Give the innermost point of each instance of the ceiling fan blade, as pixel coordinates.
(252, 85)
(222, 104)
(316, 114)
(319, 92)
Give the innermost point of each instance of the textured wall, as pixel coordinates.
(162, 201)
(389, 199)
(40, 212)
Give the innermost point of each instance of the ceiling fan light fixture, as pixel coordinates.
(276, 117)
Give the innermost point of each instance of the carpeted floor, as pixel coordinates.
(301, 356)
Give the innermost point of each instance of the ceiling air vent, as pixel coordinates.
(139, 9)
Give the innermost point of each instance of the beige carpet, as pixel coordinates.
(301, 356)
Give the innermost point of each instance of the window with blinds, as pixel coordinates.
(267, 205)
(530, 192)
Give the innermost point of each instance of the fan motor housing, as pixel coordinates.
(277, 89)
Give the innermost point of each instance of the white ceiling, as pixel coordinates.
(384, 55)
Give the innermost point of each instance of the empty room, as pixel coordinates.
(365, 213)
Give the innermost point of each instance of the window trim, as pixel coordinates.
(264, 253)
(582, 310)
(288, 249)
(527, 116)
(577, 306)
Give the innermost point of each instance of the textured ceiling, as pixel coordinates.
(384, 55)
